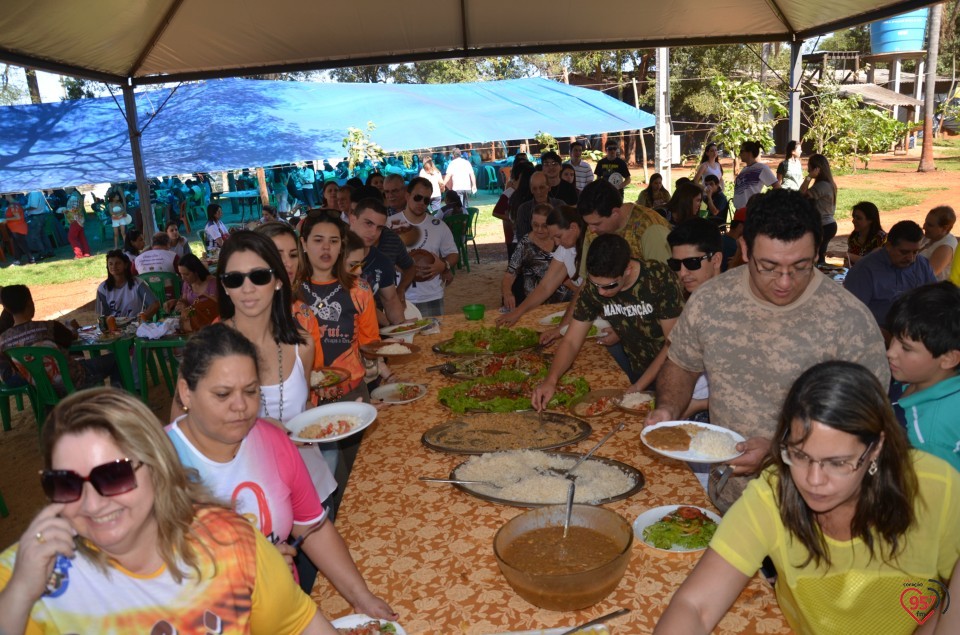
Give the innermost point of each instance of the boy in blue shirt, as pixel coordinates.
(924, 354)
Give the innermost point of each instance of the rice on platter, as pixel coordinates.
(522, 476)
(713, 444)
(329, 426)
(634, 400)
(393, 349)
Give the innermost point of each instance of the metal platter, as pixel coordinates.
(450, 369)
(491, 432)
(637, 475)
(439, 349)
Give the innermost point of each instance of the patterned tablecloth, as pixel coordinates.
(427, 548)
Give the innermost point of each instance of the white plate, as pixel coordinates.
(364, 411)
(351, 621)
(692, 457)
(656, 514)
(600, 323)
(388, 393)
(406, 336)
(548, 319)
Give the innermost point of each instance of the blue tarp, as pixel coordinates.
(236, 123)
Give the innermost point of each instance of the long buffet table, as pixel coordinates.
(427, 548)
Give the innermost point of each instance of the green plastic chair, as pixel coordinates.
(47, 396)
(471, 234)
(164, 285)
(458, 224)
(17, 392)
(493, 183)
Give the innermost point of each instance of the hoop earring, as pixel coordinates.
(873, 468)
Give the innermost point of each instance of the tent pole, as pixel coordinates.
(796, 72)
(143, 188)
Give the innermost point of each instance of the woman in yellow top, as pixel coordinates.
(851, 517)
(129, 544)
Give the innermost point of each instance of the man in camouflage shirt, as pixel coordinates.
(756, 328)
(640, 298)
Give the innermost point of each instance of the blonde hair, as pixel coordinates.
(138, 432)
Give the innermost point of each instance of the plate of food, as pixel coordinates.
(554, 319)
(692, 441)
(407, 330)
(332, 422)
(530, 478)
(595, 402)
(506, 391)
(388, 349)
(676, 528)
(494, 432)
(365, 625)
(422, 259)
(485, 365)
(488, 340)
(639, 402)
(399, 393)
(328, 377)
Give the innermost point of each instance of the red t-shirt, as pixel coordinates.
(15, 220)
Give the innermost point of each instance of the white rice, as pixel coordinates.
(393, 349)
(521, 476)
(713, 444)
(635, 399)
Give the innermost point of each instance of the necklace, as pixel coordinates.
(263, 400)
(320, 302)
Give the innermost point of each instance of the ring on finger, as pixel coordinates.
(40, 537)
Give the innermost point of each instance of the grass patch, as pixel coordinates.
(847, 197)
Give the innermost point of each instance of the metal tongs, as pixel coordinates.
(595, 621)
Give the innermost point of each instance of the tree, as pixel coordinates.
(743, 110)
(75, 88)
(9, 94)
(844, 131)
(33, 85)
(933, 49)
(360, 146)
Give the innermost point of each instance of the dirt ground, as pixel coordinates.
(19, 451)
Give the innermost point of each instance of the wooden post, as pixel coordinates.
(262, 185)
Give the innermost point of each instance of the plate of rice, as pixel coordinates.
(639, 403)
(332, 422)
(389, 349)
(692, 441)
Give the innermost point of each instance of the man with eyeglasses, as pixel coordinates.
(540, 189)
(885, 274)
(640, 298)
(559, 189)
(394, 194)
(420, 231)
(756, 328)
(368, 222)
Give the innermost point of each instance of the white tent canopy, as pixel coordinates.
(150, 41)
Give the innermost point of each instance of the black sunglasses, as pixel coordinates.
(608, 286)
(692, 264)
(420, 197)
(235, 279)
(109, 479)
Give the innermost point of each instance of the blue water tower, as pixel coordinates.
(900, 33)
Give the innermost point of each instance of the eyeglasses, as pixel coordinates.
(420, 198)
(259, 277)
(691, 264)
(109, 479)
(606, 287)
(791, 273)
(831, 467)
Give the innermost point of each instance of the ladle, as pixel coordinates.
(586, 456)
(571, 491)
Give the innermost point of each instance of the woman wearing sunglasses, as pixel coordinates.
(566, 230)
(129, 543)
(850, 516)
(253, 464)
(342, 306)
